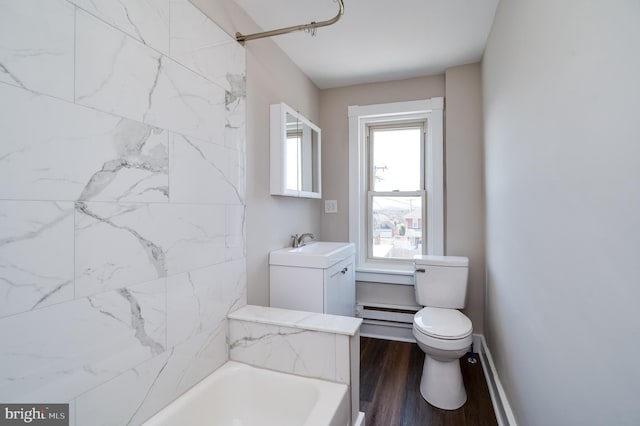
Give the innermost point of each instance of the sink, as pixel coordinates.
(317, 254)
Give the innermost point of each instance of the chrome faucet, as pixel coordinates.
(299, 241)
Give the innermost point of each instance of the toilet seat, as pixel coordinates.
(442, 323)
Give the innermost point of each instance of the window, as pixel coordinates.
(396, 192)
(396, 183)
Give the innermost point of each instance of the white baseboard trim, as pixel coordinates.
(501, 406)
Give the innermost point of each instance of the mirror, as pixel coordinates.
(295, 154)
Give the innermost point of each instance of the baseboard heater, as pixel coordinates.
(383, 321)
(382, 312)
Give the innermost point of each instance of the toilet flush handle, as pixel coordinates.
(421, 270)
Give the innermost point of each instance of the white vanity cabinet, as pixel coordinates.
(330, 290)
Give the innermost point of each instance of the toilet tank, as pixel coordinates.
(441, 281)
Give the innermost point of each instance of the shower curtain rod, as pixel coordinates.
(311, 27)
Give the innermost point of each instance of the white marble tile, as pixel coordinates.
(36, 254)
(136, 169)
(332, 323)
(235, 104)
(142, 391)
(298, 319)
(343, 359)
(235, 135)
(61, 351)
(205, 172)
(196, 358)
(291, 350)
(122, 244)
(115, 73)
(36, 47)
(199, 301)
(201, 45)
(143, 307)
(145, 20)
(187, 103)
(122, 400)
(236, 232)
(55, 150)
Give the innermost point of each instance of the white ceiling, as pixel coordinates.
(377, 40)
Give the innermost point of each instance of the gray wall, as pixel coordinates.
(562, 156)
(335, 137)
(464, 189)
(464, 218)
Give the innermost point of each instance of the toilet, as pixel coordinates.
(442, 332)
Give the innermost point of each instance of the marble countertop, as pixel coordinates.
(298, 319)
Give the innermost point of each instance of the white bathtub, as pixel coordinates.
(240, 395)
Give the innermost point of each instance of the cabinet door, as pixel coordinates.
(340, 289)
(300, 289)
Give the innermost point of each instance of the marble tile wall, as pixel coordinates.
(309, 353)
(122, 203)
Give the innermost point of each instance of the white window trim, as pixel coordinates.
(359, 117)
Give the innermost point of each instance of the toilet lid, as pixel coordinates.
(442, 323)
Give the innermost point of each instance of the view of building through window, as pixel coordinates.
(396, 191)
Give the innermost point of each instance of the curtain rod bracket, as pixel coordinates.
(310, 28)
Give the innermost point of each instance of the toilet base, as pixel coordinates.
(441, 384)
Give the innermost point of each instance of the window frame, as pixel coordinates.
(393, 123)
(431, 110)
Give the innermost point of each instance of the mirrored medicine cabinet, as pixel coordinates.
(295, 154)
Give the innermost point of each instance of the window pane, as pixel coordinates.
(396, 159)
(397, 227)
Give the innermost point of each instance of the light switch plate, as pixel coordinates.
(331, 206)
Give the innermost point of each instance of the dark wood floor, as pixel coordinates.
(390, 389)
